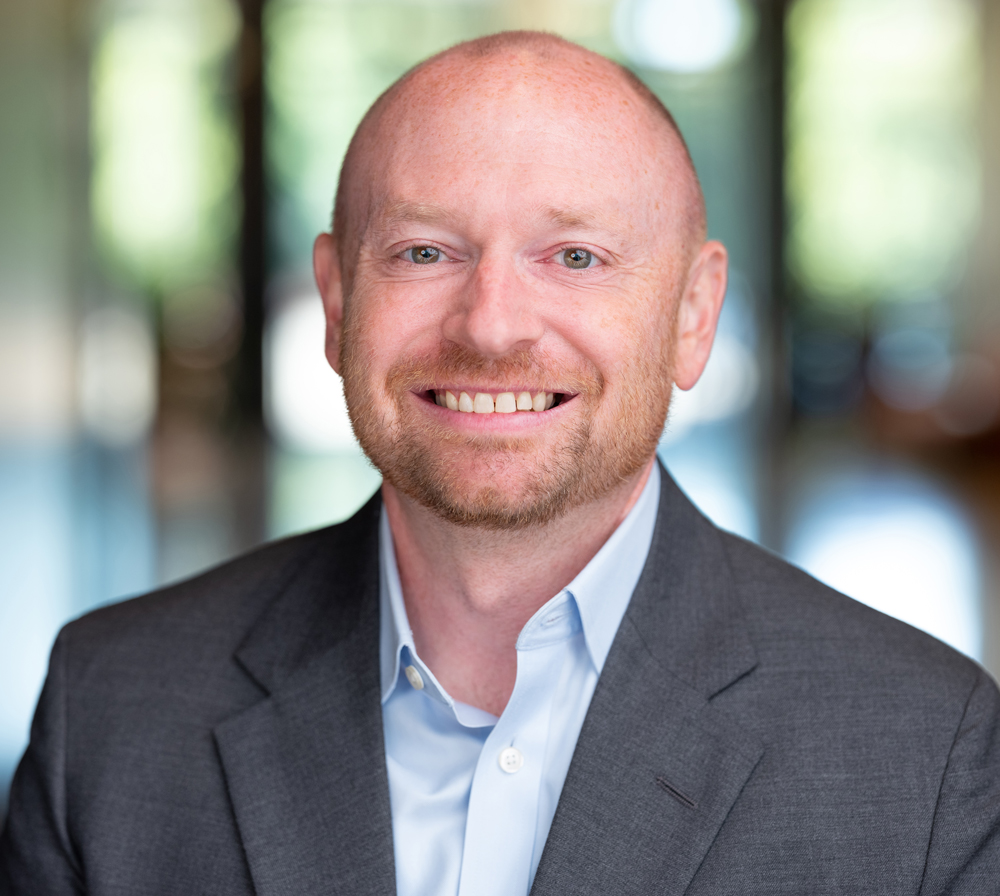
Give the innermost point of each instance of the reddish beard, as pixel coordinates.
(517, 483)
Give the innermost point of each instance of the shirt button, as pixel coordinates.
(511, 760)
(413, 677)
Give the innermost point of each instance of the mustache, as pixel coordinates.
(456, 363)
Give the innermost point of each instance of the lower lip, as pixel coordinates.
(519, 421)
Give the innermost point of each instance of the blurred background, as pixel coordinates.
(164, 402)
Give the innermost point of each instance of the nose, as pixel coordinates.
(496, 313)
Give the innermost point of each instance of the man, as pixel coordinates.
(532, 664)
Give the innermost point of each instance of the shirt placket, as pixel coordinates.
(503, 803)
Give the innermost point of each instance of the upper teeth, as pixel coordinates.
(485, 403)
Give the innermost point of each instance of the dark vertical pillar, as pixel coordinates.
(249, 449)
(253, 233)
(773, 60)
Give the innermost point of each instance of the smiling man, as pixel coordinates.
(529, 664)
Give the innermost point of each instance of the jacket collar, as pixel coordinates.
(305, 766)
(685, 603)
(321, 600)
(656, 769)
(658, 764)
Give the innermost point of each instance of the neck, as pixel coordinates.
(469, 592)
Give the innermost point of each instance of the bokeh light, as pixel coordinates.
(117, 378)
(165, 152)
(681, 36)
(882, 171)
(304, 397)
(898, 544)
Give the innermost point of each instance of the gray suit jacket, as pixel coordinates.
(753, 732)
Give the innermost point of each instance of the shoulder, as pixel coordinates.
(183, 639)
(188, 633)
(799, 626)
(214, 607)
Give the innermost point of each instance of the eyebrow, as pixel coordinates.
(404, 210)
(570, 218)
(606, 221)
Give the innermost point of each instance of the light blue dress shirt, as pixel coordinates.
(473, 795)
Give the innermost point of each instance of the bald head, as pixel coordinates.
(516, 216)
(531, 69)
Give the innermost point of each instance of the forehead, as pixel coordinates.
(566, 140)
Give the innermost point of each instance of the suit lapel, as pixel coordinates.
(305, 766)
(658, 766)
(656, 769)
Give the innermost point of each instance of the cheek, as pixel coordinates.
(362, 352)
(378, 328)
(624, 335)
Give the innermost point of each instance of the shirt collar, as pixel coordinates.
(604, 586)
(600, 592)
(395, 634)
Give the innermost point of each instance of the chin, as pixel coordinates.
(488, 507)
(502, 483)
(491, 493)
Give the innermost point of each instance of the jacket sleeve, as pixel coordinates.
(36, 855)
(964, 852)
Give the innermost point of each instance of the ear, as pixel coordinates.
(698, 314)
(326, 268)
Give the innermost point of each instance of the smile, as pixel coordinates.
(489, 403)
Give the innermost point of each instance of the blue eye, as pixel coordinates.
(423, 254)
(577, 258)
